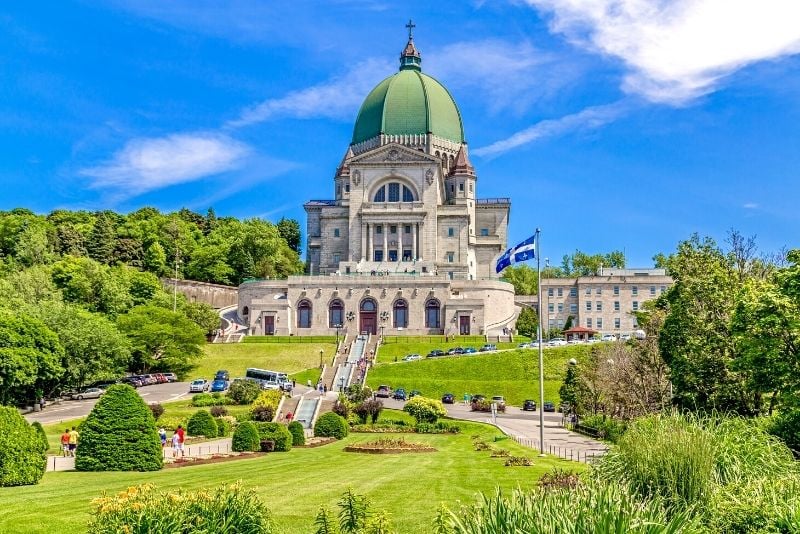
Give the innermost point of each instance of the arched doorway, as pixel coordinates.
(368, 316)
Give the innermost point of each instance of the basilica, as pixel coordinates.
(405, 246)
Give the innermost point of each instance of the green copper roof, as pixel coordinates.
(409, 102)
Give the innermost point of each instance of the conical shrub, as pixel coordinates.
(119, 435)
(22, 451)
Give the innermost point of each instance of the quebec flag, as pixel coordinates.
(523, 252)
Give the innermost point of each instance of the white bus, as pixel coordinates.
(269, 379)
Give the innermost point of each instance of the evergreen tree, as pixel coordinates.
(289, 230)
(527, 322)
(210, 222)
(155, 260)
(103, 239)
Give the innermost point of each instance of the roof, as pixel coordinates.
(408, 103)
(580, 330)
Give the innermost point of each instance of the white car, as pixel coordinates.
(88, 393)
(608, 337)
(557, 342)
(624, 337)
(200, 385)
(412, 357)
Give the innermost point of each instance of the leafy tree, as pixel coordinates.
(33, 246)
(129, 251)
(571, 390)
(155, 259)
(161, 340)
(102, 241)
(30, 357)
(70, 241)
(29, 286)
(210, 222)
(523, 278)
(289, 230)
(203, 315)
(527, 322)
(209, 264)
(582, 264)
(425, 410)
(244, 392)
(119, 434)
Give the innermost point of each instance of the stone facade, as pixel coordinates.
(605, 302)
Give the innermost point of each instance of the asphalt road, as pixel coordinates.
(71, 409)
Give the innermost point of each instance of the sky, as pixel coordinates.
(611, 124)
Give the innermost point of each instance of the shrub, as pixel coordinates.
(607, 427)
(172, 423)
(787, 427)
(41, 433)
(142, 509)
(243, 392)
(764, 505)
(262, 414)
(298, 433)
(342, 406)
(156, 409)
(218, 411)
(425, 410)
(277, 433)
(331, 425)
(245, 438)
(203, 400)
(23, 452)
(439, 427)
(223, 427)
(202, 424)
(369, 409)
(119, 434)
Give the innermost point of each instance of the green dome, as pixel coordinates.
(408, 103)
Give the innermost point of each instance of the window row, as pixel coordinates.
(573, 291)
(336, 314)
(391, 193)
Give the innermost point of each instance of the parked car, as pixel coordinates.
(219, 385)
(171, 377)
(89, 393)
(524, 346)
(412, 357)
(222, 375)
(548, 406)
(488, 347)
(435, 353)
(160, 378)
(199, 386)
(624, 337)
(383, 391)
(529, 405)
(134, 381)
(414, 393)
(557, 342)
(470, 350)
(149, 380)
(101, 384)
(399, 394)
(500, 401)
(448, 398)
(608, 337)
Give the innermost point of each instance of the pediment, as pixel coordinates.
(393, 154)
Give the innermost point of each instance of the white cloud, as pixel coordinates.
(586, 119)
(146, 164)
(678, 50)
(338, 98)
(750, 206)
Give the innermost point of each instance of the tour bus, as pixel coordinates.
(269, 379)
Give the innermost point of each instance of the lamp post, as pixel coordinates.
(341, 384)
(337, 326)
(321, 352)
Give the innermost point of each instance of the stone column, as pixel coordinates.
(385, 230)
(369, 242)
(400, 229)
(420, 243)
(414, 247)
(363, 241)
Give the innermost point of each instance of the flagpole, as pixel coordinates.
(541, 353)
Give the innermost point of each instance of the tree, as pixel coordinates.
(209, 264)
(23, 453)
(210, 222)
(523, 278)
(102, 241)
(527, 322)
(155, 260)
(33, 246)
(30, 358)
(161, 340)
(289, 230)
(570, 391)
(425, 410)
(203, 315)
(245, 438)
(201, 423)
(119, 434)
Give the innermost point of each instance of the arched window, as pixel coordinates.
(391, 193)
(432, 319)
(336, 314)
(408, 196)
(400, 314)
(304, 314)
(245, 311)
(368, 305)
(394, 192)
(380, 195)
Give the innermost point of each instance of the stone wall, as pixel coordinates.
(217, 296)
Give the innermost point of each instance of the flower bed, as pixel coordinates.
(389, 446)
(213, 459)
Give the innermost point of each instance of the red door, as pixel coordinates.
(464, 325)
(269, 325)
(369, 323)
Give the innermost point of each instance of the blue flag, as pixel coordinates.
(523, 252)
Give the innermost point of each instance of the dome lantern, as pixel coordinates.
(410, 58)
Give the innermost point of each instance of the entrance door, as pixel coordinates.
(369, 323)
(269, 325)
(464, 325)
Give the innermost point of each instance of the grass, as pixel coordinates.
(237, 357)
(512, 373)
(294, 484)
(392, 352)
(290, 339)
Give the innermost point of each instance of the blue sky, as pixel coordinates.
(612, 124)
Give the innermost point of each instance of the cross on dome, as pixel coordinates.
(411, 27)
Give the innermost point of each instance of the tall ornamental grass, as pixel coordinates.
(594, 508)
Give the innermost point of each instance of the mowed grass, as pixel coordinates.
(513, 373)
(237, 357)
(295, 484)
(391, 352)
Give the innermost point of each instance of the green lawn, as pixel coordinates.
(237, 357)
(294, 484)
(391, 352)
(513, 374)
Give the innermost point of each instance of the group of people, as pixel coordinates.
(69, 442)
(178, 437)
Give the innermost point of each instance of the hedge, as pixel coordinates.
(203, 400)
(298, 433)
(331, 425)
(276, 432)
(42, 434)
(223, 426)
(245, 438)
(244, 391)
(23, 453)
(202, 424)
(119, 435)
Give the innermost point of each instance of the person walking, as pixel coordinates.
(181, 438)
(289, 417)
(176, 445)
(73, 441)
(162, 434)
(65, 443)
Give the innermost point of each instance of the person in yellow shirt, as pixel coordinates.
(73, 441)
